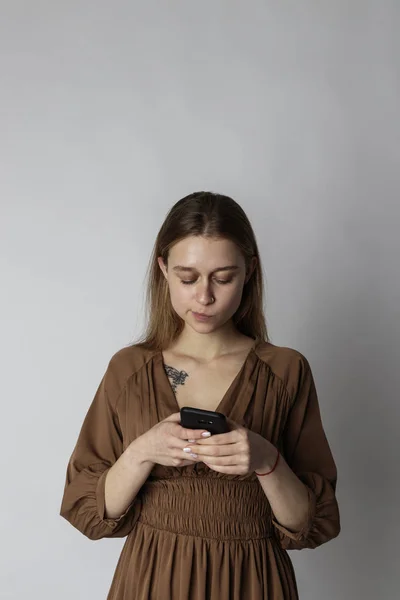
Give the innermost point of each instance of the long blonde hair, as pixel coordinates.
(215, 216)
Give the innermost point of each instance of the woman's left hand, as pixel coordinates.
(238, 452)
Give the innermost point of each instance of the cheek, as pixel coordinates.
(232, 297)
(180, 294)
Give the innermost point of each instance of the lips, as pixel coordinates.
(201, 316)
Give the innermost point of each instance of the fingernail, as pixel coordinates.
(191, 441)
(205, 434)
(193, 455)
(187, 449)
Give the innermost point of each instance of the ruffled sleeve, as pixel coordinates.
(307, 452)
(98, 447)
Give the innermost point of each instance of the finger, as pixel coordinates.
(179, 456)
(222, 461)
(190, 455)
(193, 434)
(221, 450)
(230, 470)
(181, 447)
(179, 462)
(221, 438)
(189, 460)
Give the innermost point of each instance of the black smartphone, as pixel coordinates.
(197, 418)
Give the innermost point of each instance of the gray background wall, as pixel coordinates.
(112, 111)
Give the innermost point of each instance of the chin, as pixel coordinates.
(202, 326)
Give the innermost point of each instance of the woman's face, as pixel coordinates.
(199, 270)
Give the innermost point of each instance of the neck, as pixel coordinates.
(209, 346)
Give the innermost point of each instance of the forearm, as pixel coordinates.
(125, 478)
(287, 496)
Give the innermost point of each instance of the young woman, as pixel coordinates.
(207, 517)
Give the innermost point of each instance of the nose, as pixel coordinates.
(204, 294)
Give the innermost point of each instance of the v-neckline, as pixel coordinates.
(171, 398)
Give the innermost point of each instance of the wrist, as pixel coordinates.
(138, 453)
(270, 463)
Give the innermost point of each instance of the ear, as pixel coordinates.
(162, 266)
(251, 268)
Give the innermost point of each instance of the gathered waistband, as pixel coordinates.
(217, 508)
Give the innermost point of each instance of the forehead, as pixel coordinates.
(202, 252)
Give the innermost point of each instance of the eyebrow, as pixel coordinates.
(191, 269)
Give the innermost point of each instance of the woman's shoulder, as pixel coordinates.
(132, 357)
(288, 364)
(124, 365)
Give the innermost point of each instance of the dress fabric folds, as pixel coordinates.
(192, 533)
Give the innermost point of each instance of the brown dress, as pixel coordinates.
(193, 533)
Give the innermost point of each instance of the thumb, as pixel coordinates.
(175, 417)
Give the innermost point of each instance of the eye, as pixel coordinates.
(221, 281)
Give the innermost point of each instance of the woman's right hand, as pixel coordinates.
(163, 444)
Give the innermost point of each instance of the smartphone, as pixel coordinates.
(197, 418)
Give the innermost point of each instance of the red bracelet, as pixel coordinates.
(273, 468)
